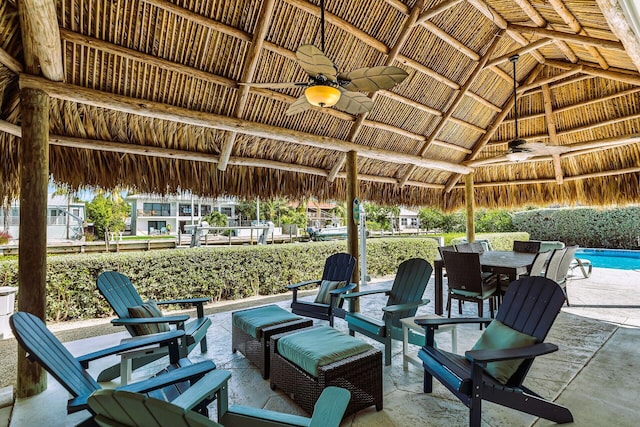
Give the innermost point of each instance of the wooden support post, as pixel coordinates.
(352, 228)
(32, 262)
(469, 203)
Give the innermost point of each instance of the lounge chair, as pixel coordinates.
(144, 318)
(116, 408)
(495, 369)
(44, 348)
(585, 266)
(335, 281)
(405, 296)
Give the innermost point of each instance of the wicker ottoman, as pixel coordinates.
(252, 329)
(359, 373)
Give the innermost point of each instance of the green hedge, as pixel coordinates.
(617, 228)
(222, 273)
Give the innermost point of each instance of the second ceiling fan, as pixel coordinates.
(326, 87)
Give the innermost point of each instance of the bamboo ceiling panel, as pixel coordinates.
(153, 98)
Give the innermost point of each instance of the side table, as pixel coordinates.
(408, 323)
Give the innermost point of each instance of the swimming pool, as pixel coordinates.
(622, 259)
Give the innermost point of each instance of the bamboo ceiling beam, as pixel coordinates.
(314, 10)
(174, 154)
(523, 50)
(539, 21)
(621, 28)
(477, 148)
(548, 80)
(552, 180)
(393, 55)
(430, 13)
(569, 19)
(456, 102)
(251, 61)
(411, 102)
(161, 111)
(502, 23)
(551, 129)
(568, 37)
(578, 104)
(576, 149)
(41, 39)
(10, 62)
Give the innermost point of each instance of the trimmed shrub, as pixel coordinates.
(222, 273)
(499, 241)
(617, 228)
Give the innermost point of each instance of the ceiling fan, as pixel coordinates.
(519, 149)
(326, 87)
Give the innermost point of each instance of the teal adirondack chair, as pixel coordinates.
(115, 408)
(405, 297)
(122, 296)
(44, 348)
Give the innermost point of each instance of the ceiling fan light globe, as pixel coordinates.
(322, 96)
(518, 156)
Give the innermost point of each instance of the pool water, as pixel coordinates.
(621, 259)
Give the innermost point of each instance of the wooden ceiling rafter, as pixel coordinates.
(569, 19)
(619, 25)
(454, 105)
(539, 21)
(126, 104)
(251, 62)
(10, 62)
(175, 154)
(480, 144)
(568, 37)
(393, 54)
(575, 149)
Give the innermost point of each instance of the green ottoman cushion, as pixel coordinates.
(312, 348)
(253, 320)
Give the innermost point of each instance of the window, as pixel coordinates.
(156, 227)
(157, 209)
(205, 210)
(185, 210)
(226, 211)
(403, 221)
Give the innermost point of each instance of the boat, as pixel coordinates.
(327, 233)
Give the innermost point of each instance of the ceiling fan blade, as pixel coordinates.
(354, 102)
(274, 85)
(372, 79)
(314, 62)
(300, 105)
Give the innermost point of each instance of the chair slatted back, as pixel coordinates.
(409, 285)
(554, 264)
(530, 305)
(123, 408)
(538, 264)
(464, 271)
(339, 267)
(565, 263)
(120, 293)
(464, 247)
(450, 248)
(477, 247)
(43, 347)
(529, 246)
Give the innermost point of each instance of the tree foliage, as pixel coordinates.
(379, 217)
(107, 213)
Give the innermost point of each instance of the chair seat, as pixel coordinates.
(486, 292)
(365, 324)
(312, 348)
(252, 321)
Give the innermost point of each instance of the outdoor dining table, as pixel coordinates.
(508, 263)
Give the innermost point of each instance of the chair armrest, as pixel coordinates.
(164, 338)
(400, 307)
(180, 318)
(344, 289)
(363, 293)
(527, 352)
(300, 284)
(187, 373)
(185, 301)
(212, 383)
(451, 321)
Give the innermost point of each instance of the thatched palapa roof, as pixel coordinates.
(147, 96)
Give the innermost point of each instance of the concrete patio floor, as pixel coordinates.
(594, 374)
